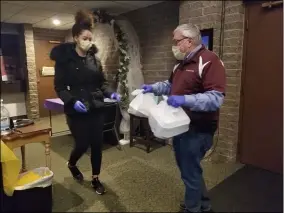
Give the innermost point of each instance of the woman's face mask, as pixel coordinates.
(84, 44)
(84, 40)
(177, 53)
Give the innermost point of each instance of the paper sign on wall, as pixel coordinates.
(47, 71)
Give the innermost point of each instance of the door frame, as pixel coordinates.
(243, 78)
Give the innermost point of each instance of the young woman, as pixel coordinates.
(80, 83)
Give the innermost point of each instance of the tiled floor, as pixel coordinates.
(136, 181)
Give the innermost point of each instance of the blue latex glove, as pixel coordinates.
(176, 100)
(115, 96)
(147, 88)
(80, 107)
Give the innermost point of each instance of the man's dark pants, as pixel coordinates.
(190, 148)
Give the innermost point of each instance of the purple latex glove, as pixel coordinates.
(176, 100)
(115, 96)
(147, 88)
(80, 107)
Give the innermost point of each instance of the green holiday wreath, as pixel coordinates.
(121, 76)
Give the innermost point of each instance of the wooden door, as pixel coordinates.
(45, 83)
(261, 127)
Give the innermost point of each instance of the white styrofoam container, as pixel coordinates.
(142, 103)
(167, 122)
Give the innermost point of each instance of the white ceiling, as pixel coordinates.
(41, 13)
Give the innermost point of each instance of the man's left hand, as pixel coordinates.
(115, 96)
(176, 100)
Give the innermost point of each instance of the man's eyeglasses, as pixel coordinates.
(175, 42)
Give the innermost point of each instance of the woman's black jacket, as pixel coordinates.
(79, 78)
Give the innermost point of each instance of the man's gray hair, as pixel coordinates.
(190, 31)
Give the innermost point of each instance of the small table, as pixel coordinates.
(35, 133)
(54, 104)
(144, 135)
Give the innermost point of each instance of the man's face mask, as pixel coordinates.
(85, 44)
(177, 53)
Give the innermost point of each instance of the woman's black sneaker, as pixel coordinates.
(77, 175)
(98, 187)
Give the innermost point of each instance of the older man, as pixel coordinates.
(197, 84)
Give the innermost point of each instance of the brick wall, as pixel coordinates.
(110, 61)
(154, 26)
(32, 92)
(207, 14)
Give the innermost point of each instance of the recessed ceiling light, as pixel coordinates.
(56, 22)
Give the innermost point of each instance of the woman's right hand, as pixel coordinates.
(80, 107)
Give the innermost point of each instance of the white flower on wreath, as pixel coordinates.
(122, 50)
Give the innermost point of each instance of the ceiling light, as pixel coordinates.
(56, 22)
